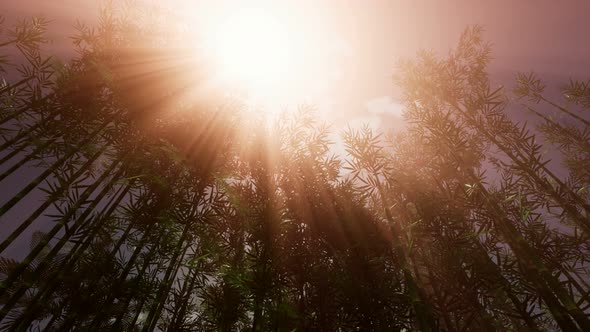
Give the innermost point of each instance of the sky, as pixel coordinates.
(353, 45)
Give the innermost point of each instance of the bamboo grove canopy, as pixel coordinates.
(137, 202)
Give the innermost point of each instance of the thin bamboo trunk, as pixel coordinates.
(13, 41)
(13, 153)
(43, 295)
(90, 229)
(180, 312)
(156, 309)
(17, 84)
(504, 285)
(566, 111)
(25, 109)
(146, 263)
(505, 294)
(562, 129)
(505, 288)
(50, 200)
(81, 219)
(26, 159)
(22, 134)
(14, 275)
(580, 220)
(49, 324)
(33, 184)
(423, 310)
(118, 284)
(536, 271)
(138, 310)
(140, 307)
(539, 275)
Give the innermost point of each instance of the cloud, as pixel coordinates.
(385, 105)
(358, 122)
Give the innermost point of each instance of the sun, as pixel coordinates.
(253, 49)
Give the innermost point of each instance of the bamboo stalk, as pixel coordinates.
(18, 137)
(167, 281)
(146, 263)
(566, 111)
(42, 296)
(13, 153)
(8, 42)
(17, 84)
(26, 159)
(140, 306)
(505, 287)
(80, 220)
(564, 130)
(92, 230)
(423, 310)
(15, 274)
(33, 184)
(526, 255)
(538, 273)
(583, 222)
(180, 310)
(50, 200)
(99, 317)
(27, 108)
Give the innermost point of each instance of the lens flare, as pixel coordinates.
(253, 48)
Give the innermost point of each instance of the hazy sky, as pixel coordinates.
(354, 44)
(357, 43)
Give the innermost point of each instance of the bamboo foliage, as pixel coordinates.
(162, 214)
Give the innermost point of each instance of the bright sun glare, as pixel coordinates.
(253, 49)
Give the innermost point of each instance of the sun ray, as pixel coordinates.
(252, 47)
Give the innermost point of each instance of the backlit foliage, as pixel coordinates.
(164, 209)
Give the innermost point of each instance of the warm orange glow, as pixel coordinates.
(252, 48)
(273, 55)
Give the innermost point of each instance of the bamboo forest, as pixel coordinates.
(135, 199)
